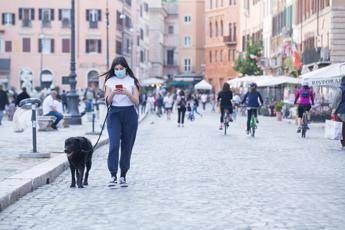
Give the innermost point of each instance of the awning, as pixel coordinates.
(242, 81)
(327, 76)
(203, 85)
(263, 81)
(151, 81)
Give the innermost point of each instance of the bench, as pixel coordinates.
(45, 123)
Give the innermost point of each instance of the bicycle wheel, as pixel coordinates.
(253, 125)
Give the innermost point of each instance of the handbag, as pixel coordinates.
(333, 130)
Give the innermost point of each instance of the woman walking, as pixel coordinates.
(122, 94)
(181, 108)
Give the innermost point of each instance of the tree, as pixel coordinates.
(246, 64)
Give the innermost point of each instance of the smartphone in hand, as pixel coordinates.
(118, 87)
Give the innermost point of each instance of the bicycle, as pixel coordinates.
(253, 125)
(227, 120)
(304, 124)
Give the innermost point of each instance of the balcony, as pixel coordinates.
(228, 40)
(316, 56)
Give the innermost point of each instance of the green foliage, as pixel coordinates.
(246, 64)
(278, 106)
(289, 67)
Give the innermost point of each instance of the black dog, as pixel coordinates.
(79, 153)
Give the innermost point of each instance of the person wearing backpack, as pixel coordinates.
(338, 108)
(304, 99)
(181, 108)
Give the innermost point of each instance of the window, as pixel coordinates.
(129, 2)
(46, 16)
(8, 46)
(128, 22)
(235, 35)
(211, 30)
(119, 47)
(170, 57)
(119, 20)
(93, 17)
(26, 15)
(187, 19)
(221, 28)
(221, 55)
(93, 46)
(210, 56)
(187, 41)
(46, 45)
(216, 29)
(187, 65)
(26, 45)
(211, 1)
(171, 29)
(216, 55)
(142, 56)
(141, 34)
(8, 19)
(146, 7)
(230, 31)
(65, 17)
(66, 45)
(233, 54)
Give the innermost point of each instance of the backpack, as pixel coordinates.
(305, 94)
(182, 103)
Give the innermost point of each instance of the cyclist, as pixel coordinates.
(252, 99)
(304, 99)
(224, 101)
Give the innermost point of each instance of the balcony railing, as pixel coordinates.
(316, 55)
(228, 40)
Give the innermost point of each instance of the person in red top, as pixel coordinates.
(304, 99)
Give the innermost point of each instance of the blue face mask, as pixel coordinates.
(120, 73)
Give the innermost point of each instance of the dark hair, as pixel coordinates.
(182, 93)
(120, 61)
(226, 87)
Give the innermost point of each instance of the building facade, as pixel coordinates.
(35, 40)
(191, 43)
(221, 40)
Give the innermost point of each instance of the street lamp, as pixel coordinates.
(107, 23)
(72, 96)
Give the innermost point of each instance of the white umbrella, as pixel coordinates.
(267, 81)
(151, 81)
(242, 81)
(327, 76)
(203, 85)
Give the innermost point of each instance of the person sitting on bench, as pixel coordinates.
(51, 107)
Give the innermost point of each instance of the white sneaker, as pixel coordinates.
(123, 182)
(113, 182)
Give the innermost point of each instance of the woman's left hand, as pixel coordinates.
(126, 92)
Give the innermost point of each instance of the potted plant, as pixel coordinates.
(278, 109)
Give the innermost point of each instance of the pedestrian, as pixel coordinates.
(143, 102)
(338, 108)
(122, 94)
(52, 107)
(168, 104)
(195, 105)
(204, 98)
(181, 108)
(3, 102)
(23, 95)
(64, 100)
(160, 105)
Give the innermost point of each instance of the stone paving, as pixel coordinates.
(12, 144)
(197, 178)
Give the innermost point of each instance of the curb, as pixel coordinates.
(17, 186)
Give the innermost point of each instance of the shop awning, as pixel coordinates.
(203, 85)
(263, 81)
(327, 76)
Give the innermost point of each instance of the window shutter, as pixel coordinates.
(20, 13)
(86, 46)
(99, 46)
(60, 14)
(87, 15)
(40, 14)
(52, 45)
(99, 15)
(40, 45)
(32, 14)
(13, 19)
(3, 18)
(52, 14)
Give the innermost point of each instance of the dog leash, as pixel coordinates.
(103, 125)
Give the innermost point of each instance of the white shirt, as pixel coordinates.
(128, 84)
(48, 103)
(204, 98)
(168, 101)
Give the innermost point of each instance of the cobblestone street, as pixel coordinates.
(197, 178)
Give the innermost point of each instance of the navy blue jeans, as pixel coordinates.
(122, 125)
(57, 115)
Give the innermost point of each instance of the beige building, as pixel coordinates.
(191, 32)
(35, 39)
(222, 26)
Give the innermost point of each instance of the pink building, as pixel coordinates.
(35, 40)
